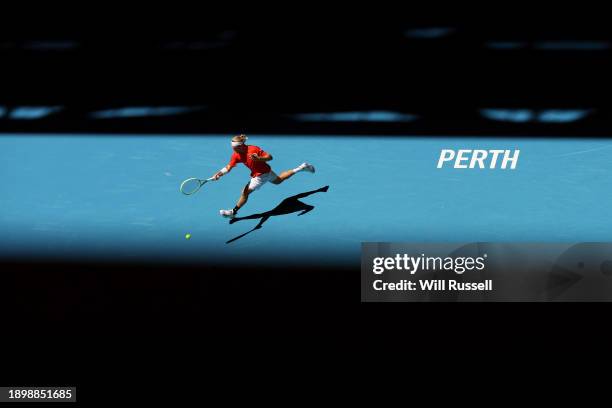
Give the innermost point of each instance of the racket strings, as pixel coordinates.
(190, 186)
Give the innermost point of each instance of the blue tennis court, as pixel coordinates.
(116, 197)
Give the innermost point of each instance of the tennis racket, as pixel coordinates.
(192, 185)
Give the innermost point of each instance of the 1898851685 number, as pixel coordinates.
(15, 394)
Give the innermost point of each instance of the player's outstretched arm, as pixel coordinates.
(222, 172)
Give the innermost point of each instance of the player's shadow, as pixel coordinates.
(288, 206)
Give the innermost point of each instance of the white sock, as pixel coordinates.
(299, 168)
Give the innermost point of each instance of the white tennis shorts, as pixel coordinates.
(257, 182)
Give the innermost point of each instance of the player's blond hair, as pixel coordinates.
(239, 138)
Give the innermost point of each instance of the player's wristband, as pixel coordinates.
(223, 170)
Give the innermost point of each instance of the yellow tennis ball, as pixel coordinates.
(187, 236)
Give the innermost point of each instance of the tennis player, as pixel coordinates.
(256, 160)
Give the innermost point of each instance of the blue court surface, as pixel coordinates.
(117, 197)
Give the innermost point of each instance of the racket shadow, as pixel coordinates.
(289, 205)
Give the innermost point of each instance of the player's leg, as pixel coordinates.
(287, 174)
(244, 197)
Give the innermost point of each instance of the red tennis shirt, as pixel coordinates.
(257, 167)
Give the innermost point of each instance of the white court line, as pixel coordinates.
(584, 151)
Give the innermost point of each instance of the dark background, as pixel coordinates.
(254, 76)
(251, 75)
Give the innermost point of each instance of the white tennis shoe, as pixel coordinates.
(227, 213)
(307, 167)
